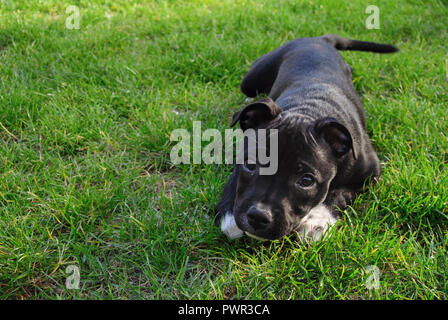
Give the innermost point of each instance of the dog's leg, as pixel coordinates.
(324, 216)
(224, 210)
(340, 199)
(263, 72)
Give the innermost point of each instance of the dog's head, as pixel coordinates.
(310, 151)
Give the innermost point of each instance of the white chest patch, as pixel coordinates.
(314, 225)
(229, 227)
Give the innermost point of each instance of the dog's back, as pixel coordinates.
(308, 59)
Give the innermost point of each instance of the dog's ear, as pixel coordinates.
(336, 135)
(256, 113)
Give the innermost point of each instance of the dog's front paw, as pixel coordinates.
(316, 223)
(229, 227)
(340, 198)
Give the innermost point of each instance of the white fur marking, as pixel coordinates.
(314, 225)
(229, 227)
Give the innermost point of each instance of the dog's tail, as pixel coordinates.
(341, 43)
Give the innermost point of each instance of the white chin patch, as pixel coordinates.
(314, 225)
(229, 227)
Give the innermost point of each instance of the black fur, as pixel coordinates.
(322, 133)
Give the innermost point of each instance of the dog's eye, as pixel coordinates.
(306, 180)
(249, 165)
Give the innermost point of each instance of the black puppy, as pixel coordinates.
(325, 157)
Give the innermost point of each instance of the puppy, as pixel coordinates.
(325, 157)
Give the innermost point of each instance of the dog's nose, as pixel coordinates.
(259, 218)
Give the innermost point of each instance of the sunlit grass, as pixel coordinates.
(85, 175)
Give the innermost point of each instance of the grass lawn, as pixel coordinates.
(85, 173)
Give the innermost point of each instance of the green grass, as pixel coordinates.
(85, 175)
